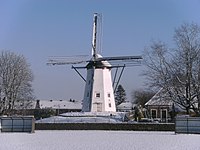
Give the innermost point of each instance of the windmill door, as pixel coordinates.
(99, 107)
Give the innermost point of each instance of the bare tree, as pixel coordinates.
(15, 82)
(177, 70)
(140, 96)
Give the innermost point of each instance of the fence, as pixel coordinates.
(187, 125)
(17, 124)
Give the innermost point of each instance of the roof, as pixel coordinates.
(60, 104)
(161, 98)
(125, 105)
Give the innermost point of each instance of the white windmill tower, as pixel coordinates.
(99, 92)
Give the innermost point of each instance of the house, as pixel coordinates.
(61, 106)
(47, 108)
(160, 106)
(125, 107)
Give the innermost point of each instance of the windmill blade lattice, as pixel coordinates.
(127, 61)
(68, 60)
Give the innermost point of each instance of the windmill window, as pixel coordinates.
(109, 104)
(98, 95)
(108, 94)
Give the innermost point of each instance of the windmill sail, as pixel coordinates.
(68, 60)
(94, 38)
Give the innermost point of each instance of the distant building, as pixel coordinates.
(61, 106)
(125, 107)
(47, 108)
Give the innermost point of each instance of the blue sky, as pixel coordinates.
(41, 28)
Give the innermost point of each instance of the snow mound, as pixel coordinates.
(85, 117)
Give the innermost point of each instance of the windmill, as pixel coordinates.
(99, 87)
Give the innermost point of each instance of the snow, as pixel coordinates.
(59, 104)
(98, 140)
(125, 106)
(85, 117)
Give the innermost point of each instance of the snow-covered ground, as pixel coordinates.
(98, 140)
(85, 117)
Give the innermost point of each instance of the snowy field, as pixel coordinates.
(98, 140)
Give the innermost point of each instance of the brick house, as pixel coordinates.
(159, 106)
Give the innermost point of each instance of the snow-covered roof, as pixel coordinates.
(125, 105)
(60, 104)
(160, 98)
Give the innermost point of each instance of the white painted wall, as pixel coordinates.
(86, 106)
(103, 85)
(100, 83)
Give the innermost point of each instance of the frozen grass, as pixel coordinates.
(98, 140)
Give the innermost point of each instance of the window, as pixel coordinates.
(164, 114)
(109, 104)
(98, 95)
(108, 94)
(153, 113)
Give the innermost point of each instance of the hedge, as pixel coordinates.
(107, 126)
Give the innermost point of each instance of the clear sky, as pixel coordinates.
(41, 28)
